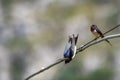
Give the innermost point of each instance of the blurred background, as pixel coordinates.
(33, 34)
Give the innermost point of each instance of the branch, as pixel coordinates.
(57, 62)
(92, 42)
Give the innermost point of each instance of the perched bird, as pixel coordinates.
(98, 33)
(70, 49)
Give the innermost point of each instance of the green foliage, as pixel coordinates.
(6, 3)
(70, 71)
(99, 74)
(74, 73)
(59, 12)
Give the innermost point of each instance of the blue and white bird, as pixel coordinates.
(70, 49)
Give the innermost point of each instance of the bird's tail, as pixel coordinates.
(67, 61)
(108, 42)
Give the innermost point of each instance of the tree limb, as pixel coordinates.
(92, 42)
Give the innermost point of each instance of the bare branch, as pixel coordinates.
(57, 62)
(92, 42)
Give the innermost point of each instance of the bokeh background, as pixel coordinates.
(33, 34)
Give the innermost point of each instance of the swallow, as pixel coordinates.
(96, 31)
(70, 49)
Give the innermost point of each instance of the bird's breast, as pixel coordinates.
(96, 33)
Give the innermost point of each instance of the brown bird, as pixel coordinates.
(98, 33)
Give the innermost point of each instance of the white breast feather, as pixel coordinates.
(75, 48)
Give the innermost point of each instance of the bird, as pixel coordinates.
(70, 49)
(96, 31)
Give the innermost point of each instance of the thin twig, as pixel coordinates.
(97, 41)
(57, 62)
(103, 34)
(78, 50)
(111, 29)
